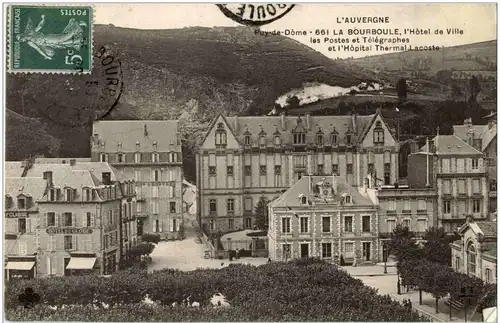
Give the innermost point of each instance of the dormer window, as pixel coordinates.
(247, 140)
(155, 157)
(277, 141)
(155, 146)
(333, 137)
(104, 157)
(299, 138)
(120, 158)
(172, 157)
(262, 142)
(137, 158)
(53, 194)
(378, 133)
(137, 146)
(21, 203)
(87, 194)
(68, 194)
(303, 200)
(348, 138)
(319, 139)
(347, 199)
(220, 136)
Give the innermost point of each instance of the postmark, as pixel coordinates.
(255, 14)
(50, 39)
(78, 100)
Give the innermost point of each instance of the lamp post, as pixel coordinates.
(399, 283)
(385, 255)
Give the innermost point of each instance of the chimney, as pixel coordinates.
(106, 178)
(72, 162)
(48, 177)
(427, 155)
(468, 122)
(236, 121)
(470, 136)
(354, 117)
(283, 121)
(146, 130)
(308, 121)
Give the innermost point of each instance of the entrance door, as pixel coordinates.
(366, 251)
(67, 272)
(304, 250)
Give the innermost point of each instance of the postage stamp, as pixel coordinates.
(50, 39)
(257, 14)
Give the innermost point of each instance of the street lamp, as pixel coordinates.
(385, 255)
(399, 282)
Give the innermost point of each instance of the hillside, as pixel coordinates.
(167, 73)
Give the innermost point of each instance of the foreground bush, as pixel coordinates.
(301, 290)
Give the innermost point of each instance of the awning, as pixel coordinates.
(81, 263)
(20, 265)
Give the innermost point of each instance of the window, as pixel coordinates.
(471, 259)
(248, 170)
(488, 275)
(348, 224)
(277, 169)
(137, 175)
(304, 225)
(21, 203)
(457, 263)
(110, 217)
(391, 225)
(333, 139)
(156, 207)
(22, 225)
(378, 133)
(348, 139)
(349, 169)
(156, 175)
(321, 169)
(326, 224)
(326, 250)
(248, 204)
(287, 250)
(104, 158)
(247, 140)
(476, 186)
(285, 225)
(335, 169)
(248, 222)
(155, 191)
(303, 200)
(406, 205)
(277, 141)
(213, 205)
(120, 158)
(155, 146)
(476, 206)
(347, 199)
(230, 205)
(299, 138)
(137, 146)
(173, 207)
(69, 194)
(446, 207)
(349, 247)
(263, 170)
(68, 219)
(172, 157)
(406, 223)
(87, 196)
(137, 158)
(366, 225)
(387, 174)
(52, 195)
(155, 157)
(371, 168)
(475, 163)
(212, 225)
(156, 226)
(262, 142)
(422, 205)
(220, 136)
(461, 186)
(68, 242)
(231, 224)
(51, 219)
(230, 170)
(447, 186)
(421, 225)
(319, 140)
(88, 218)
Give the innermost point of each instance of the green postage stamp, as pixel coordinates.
(50, 39)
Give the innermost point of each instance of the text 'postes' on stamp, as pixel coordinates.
(50, 39)
(255, 14)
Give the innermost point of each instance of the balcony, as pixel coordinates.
(141, 214)
(421, 211)
(141, 198)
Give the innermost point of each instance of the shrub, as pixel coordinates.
(302, 289)
(151, 238)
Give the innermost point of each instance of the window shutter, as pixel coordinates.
(154, 225)
(73, 219)
(178, 224)
(28, 225)
(50, 244)
(74, 243)
(49, 266)
(59, 242)
(92, 220)
(160, 229)
(46, 219)
(88, 243)
(171, 221)
(57, 215)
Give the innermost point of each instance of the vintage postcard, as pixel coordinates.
(250, 162)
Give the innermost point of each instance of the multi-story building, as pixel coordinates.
(242, 159)
(476, 252)
(150, 152)
(484, 139)
(78, 227)
(414, 208)
(323, 217)
(457, 172)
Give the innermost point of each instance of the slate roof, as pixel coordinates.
(451, 145)
(144, 132)
(302, 187)
(32, 187)
(480, 132)
(13, 169)
(489, 249)
(269, 126)
(489, 228)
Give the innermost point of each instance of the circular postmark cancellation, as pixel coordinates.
(79, 99)
(256, 14)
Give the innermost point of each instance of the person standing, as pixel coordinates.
(409, 304)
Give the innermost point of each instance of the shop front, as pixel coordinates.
(80, 264)
(20, 268)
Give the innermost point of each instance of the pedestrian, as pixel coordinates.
(237, 253)
(405, 303)
(269, 260)
(230, 255)
(342, 262)
(409, 304)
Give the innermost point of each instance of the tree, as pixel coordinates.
(261, 211)
(144, 248)
(293, 102)
(475, 88)
(402, 89)
(151, 238)
(402, 244)
(436, 246)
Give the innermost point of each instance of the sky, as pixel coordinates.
(478, 21)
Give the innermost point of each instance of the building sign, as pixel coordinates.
(69, 230)
(16, 214)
